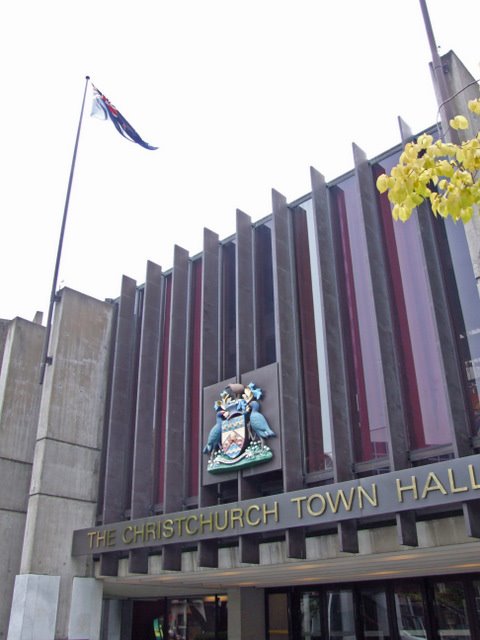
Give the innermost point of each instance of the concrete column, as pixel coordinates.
(65, 474)
(4, 325)
(112, 619)
(34, 608)
(246, 614)
(21, 348)
(85, 609)
(461, 85)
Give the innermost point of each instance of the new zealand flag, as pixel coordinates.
(102, 108)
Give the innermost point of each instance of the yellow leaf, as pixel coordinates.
(382, 183)
(474, 106)
(459, 122)
(424, 141)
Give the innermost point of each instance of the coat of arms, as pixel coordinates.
(237, 440)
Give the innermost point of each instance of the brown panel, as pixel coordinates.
(248, 545)
(244, 295)
(407, 528)
(210, 308)
(392, 369)
(119, 425)
(176, 397)
(249, 549)
(460, 424)
(245, 342)
(144, 443)
(109, 564)
(338, 390)
(295, 543)
(286, 344)
(138, 561)
(207, 551)
(383, 299)
(348, 536)
(286, 334)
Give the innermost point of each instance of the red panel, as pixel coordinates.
(415, 417)
(311, 400)
(363, 444)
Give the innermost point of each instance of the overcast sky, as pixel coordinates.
(239, 96)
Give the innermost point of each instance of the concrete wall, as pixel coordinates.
(21, 346)
(461, 85)
(64, 483)
(4, 326)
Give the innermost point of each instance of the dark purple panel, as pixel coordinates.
(264, 305)
(161, 410)
(194, 413)
(315, 454)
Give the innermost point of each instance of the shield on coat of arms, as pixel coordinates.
(234, 435)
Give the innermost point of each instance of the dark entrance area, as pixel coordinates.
(446, 608)
(192, 618)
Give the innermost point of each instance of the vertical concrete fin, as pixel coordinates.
(338, 392)
(391, 362)
(244, 295)
(405, 131)
(390, 350)
(176, 397)
(210, 358)
(119, 423)
(245, 343)
(144, 440)
(286, 338)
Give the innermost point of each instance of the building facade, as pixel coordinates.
(278, 437)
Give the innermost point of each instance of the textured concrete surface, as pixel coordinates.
(34, 608)
(12, 524)
(72, 408)
(85, 609)
(19, 390)
(21, 347)
(76, 465)
(66, 463)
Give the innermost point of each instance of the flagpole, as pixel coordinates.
(46, 359)
(439, 80)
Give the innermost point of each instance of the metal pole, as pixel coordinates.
(46, 359)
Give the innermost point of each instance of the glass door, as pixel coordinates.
(450, 611)
(340, 615)
(373, 613)
(410, 610)
(310, 616)
(278, 615)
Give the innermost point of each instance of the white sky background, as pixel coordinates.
(239, 96)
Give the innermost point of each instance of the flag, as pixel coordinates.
(102, 108)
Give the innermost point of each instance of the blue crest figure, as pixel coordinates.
(237, 440)
(258, 422)
(215, 435)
